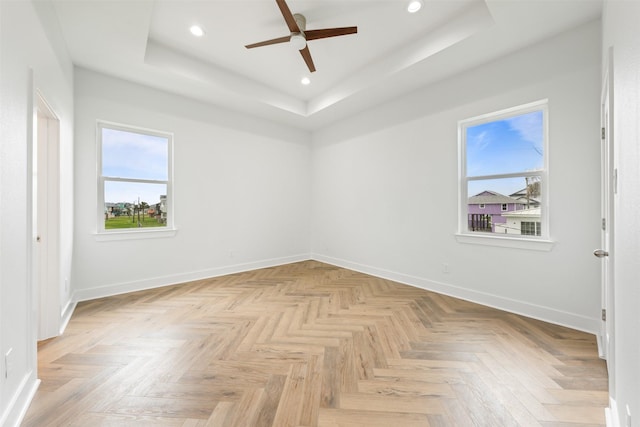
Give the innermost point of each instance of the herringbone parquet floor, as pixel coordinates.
(309, 344)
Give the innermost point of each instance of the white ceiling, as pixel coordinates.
(394, 52)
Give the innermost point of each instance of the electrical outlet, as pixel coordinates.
(66, 284)
(445, 268)
(8, 363)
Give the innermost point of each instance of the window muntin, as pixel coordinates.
(134, 186)
(503, 167)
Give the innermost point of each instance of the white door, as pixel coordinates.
(608, 189)
(47, 258)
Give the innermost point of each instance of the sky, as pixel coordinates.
(134, 155)
(510, 145)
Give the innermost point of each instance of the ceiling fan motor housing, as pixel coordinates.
(301, 21)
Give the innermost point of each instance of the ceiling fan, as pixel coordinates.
(300, 35)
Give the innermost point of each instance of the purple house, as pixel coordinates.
(485, 210)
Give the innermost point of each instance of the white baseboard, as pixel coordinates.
(601, 347)
(546, 314)
(156, 282)
(611, 414)
(66, 315)
(19, 403)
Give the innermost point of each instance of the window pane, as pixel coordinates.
(530, 228)
(134, 205)
(502, 205)
(510, 145)
(134, 155)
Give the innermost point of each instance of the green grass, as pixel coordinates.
(130, 222)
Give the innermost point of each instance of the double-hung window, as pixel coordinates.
(135, 177)
(503, 174)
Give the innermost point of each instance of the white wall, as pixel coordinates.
(621, 31)
(29, 39)
(241, 191)
(385, 186)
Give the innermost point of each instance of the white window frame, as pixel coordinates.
(133, 233)
(463, 235)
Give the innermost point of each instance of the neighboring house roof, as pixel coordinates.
(491, 197)
(522, 194)
(523, 213)
(523, 199)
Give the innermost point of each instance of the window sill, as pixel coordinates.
(108, 236)
(506, 242)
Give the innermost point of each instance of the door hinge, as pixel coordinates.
(604, 315)
(602, 133)
(604, 224)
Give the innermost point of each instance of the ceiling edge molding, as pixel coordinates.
(219, 79)
(472, 20)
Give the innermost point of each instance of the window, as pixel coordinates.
(530, 228)
(134, 187)
(503, 165)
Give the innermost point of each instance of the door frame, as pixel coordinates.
(608, 178)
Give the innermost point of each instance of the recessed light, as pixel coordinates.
(197, 30)
(414, 6)
(305, 81)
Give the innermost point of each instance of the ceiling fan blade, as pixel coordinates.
(288, 16)
(307, 58)
(329, 32)
(284, 39)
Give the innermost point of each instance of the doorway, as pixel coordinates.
(47, 210)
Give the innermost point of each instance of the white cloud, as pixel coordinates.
(481, 141)
(529, 126)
